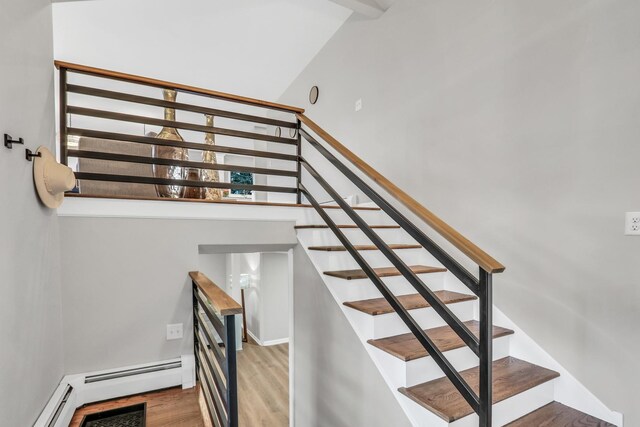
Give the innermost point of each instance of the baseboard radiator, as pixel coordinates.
(131, 372)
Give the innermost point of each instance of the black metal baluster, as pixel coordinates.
(454, 376)
(298, 165)
(486, 348)
(195, 326)
(232, 372)
(63, 116)
(451, 264)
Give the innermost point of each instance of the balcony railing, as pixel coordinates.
(214, 335)
(116, 150)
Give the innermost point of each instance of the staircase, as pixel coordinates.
(523, 392)
(426, 321)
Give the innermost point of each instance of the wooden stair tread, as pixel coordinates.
(377, 306)
(558, 415)
(407, 347)
(511, 376)
(382, 272)
(320, 226)
(361, 247)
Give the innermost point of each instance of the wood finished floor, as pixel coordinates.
(171, 407)
(263, 385)
(263, 394)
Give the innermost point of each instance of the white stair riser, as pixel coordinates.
(503, 412)
(425, 369)
(387, 325)
(342, 260)
(355, 290)
(451, 283)
(515, 407)
(325, 237)
(340, 217)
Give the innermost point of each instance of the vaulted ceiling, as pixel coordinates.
(250, 47)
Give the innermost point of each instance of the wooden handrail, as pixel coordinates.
(185, 88)
(477, 255)
(221, 302)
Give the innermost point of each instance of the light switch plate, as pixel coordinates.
(174, 331)
(359, 105)
(632, 224)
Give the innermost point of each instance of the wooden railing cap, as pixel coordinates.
(181, 87)
(477, 255)
(221, 302)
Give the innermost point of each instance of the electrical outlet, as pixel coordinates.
(174, 331)
(359, 105)
(632, 224)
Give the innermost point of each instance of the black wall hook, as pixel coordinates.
(9, 141)
(30, 154)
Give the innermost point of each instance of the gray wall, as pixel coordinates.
(274, 295)
(31, 363)
(125, 279)
(517, 122)
(214, 266)
(335, 381)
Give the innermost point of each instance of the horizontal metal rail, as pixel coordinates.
(438, 306)
(219, 377)
(213, 344)
(221, 383)
(98, 155)
(211, 315)
(109, 94)
(215, 322)
(180, 182)
(113, 136)
(464, 245)
(215, 415)
(147, 81)
(211, 384)
(445, 259)
(132, 118)
(461, 385)
(202, 327)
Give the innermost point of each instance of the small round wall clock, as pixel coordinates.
(313, 94)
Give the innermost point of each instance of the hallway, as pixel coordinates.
(263, 385)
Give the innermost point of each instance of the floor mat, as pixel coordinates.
(129, 416)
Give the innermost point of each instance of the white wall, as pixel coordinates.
(246, 266)
(517, 122)
(275, 297)
(335, 382)
(31, 362)
(125, 279)
(267, 293)
(252, 48)
(214, 266)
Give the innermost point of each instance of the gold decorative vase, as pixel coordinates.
(173, 153)
(194, 174)
(210, 175)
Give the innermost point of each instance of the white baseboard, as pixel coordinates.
(84, 392)
(269, 342)
(276, 342)
(67, 408)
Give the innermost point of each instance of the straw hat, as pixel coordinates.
(52, 179)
